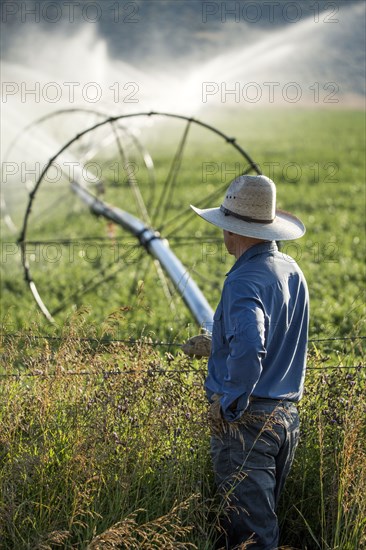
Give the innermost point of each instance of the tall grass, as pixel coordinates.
(81, 453)
(327, 485)
(107, 446)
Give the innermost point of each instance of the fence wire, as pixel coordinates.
(150, 370)
(162, 372)
(133, 342)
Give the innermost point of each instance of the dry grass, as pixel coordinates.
(163, 532)
(103, 446)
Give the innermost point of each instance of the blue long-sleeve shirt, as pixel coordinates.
(260, 331)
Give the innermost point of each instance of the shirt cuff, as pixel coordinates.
(232, 415)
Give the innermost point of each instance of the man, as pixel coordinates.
(256, 368)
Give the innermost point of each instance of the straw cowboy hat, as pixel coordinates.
(249, 209)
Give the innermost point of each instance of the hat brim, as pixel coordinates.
(285, 226)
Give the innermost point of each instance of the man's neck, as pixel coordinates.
(243, 244)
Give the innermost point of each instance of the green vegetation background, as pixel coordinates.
(106, 438)
(316, 159)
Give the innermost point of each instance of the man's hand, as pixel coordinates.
(215, 408)
(198, 346)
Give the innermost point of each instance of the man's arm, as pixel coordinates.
(244, 323)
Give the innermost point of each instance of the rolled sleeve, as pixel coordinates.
(244, 323)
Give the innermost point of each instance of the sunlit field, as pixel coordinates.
(104, 442)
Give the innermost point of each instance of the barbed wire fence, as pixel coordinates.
(34, 339)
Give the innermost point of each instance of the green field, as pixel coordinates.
(100, 437)
(316, 160)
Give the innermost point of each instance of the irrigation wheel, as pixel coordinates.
(153, 166)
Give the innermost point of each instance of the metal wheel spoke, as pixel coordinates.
(131, 178)
(78, 240)
(165, 285)
(47, 211)
(92, 283)
(170, 181)
(183, 217)
(142, 273)
(186, 214)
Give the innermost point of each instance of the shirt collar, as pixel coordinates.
(257, 249)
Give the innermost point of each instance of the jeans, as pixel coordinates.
(251, 459)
